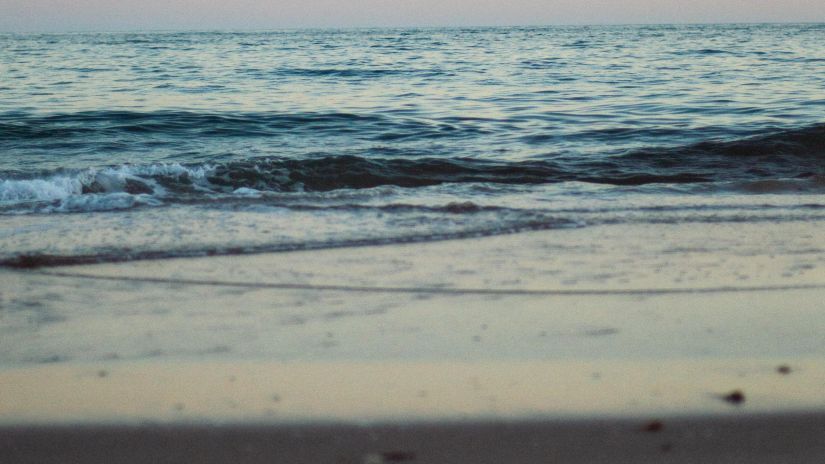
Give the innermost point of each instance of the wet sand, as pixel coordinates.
(671, 343)
(753, 439)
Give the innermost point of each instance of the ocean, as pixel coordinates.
(127, 146)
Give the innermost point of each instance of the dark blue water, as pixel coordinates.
(126, 146)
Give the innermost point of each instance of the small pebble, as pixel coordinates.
(735, 397)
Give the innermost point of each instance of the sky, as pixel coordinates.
(106, 15)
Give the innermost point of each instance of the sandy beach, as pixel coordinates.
(627, 343)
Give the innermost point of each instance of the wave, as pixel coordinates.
(519, 222)
(25, 128)
(20, 128)
(17, 127)
(791, 159)
(92, 189)
(114, 132)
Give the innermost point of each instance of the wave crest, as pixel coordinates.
(780, 160)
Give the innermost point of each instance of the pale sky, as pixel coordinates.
(104, 15)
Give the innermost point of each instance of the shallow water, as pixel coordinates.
(126, 146)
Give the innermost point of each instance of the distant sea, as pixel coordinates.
(120, 146)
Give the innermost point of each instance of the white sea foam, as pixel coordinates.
(54, 188)
(102, 202)
(98, 189)
(166, 169)
(247, 192)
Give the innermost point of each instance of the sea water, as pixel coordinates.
(120, 146)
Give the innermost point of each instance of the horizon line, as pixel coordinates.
(399, 27)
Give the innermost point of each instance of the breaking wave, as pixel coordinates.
(791, 160)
